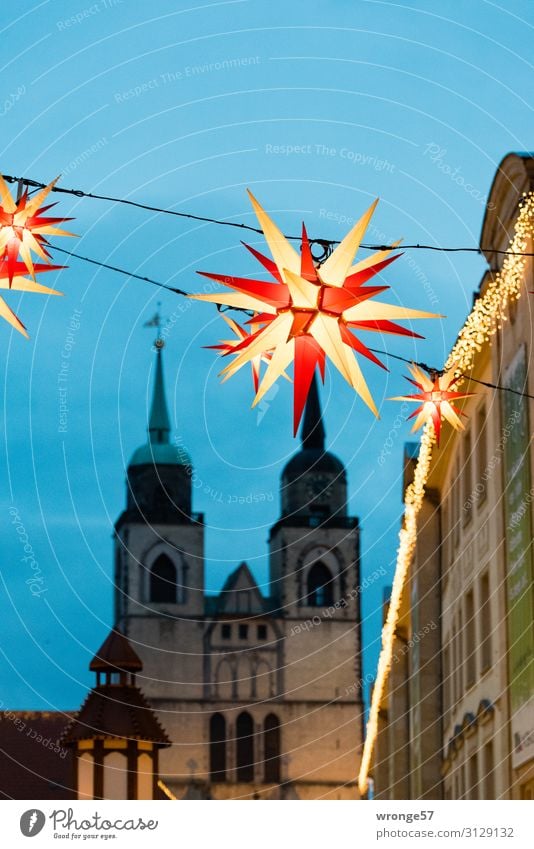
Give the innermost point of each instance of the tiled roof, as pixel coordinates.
(116, 711)
(115, 653)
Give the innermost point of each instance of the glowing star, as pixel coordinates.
(227, 346)
(19, 283)
(308, 313)
(435, 398)
(23, 228)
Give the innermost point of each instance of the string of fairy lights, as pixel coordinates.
(480, 326)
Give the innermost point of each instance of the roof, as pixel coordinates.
(514, 176)
(35, 765)
(116, 652)
(239, 582)
(312, 455)
(312, 433)
(116, 711)
(159, 426)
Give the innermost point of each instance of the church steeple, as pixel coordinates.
(312, 433)
(159, 472)
(314, 483)
(159, 426)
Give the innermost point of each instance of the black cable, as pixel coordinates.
(207, 220)
(437, 371)
(121, 271)
(500, 388)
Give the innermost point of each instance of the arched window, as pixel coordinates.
(244, 747)
(218, 747)
(320, 586)
(163, 580)
(271, 747)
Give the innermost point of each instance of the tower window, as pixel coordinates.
(262, 632)
(243, 631)
(163, 580)
(245, 747)
(320, 586)
(226, 631)
(218, 747)
(271, 741)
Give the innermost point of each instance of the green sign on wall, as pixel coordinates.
(518, 498)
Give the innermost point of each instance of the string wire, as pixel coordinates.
(323, 243)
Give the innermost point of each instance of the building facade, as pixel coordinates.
(471, 722)
(256, 693)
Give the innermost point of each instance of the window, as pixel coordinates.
(446, 680)
(244, 747)
(485, 623)
(473, 777)
(262, 632)
(243, 631)
(460, 658)
(218, 747)
(489, 774)
(482, 454)
(163, 581)
(271, 747)
(470, 641)
(320, 589)
(467, 489)
(456, 498)
(226, 631)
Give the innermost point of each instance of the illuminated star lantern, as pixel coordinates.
(18, 283)
(227, 346)
(309, 313)
(23, 227)
(436, 399)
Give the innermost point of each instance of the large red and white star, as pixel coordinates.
(309, 314)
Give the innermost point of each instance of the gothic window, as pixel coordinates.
(244, 747)
(163, 580)
(218, 747)
(271, 747)
(320, 586)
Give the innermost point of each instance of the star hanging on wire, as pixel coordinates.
(228, 346)
(308, 313)
(436, 398)
(23, 227)
(18, 283)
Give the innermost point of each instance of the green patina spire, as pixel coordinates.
(158, 449)
(159, 426)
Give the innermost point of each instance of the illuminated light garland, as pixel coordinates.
(482, 323)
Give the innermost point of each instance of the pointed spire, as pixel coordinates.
(312, 433)
(159, 426)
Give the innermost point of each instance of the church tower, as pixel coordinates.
(159, 557)
(315, 587)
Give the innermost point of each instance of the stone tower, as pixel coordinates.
(159, 557)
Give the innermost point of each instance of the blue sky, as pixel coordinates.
(318, 108)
